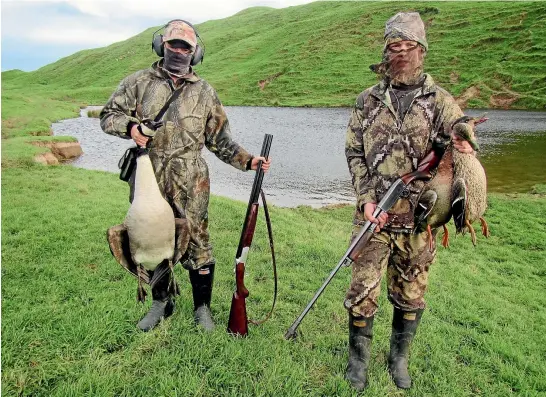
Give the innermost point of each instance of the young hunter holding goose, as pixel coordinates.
(393, 125)
(196, 118)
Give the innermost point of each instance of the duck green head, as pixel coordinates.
(466, 132)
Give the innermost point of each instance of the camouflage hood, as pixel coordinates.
(405, 26)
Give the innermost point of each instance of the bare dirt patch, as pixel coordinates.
(468, 94)
(502, 100)
(266, 81)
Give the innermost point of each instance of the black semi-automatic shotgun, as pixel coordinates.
(422, 173)
(238, 320)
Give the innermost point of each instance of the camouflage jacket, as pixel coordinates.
(380, 147)
(195, 119)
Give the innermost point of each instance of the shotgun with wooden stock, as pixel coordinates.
(397, 189)
(238, 319)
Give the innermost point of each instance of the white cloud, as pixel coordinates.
(81, 35)
(95, 23)
(196, 10)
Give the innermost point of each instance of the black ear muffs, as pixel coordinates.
(198, 55)
(159, 47)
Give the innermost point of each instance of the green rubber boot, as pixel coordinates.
(360, 343)
(404, 327)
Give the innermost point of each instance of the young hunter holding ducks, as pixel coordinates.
(196, 118)
(392, 127)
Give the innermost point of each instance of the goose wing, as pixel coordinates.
(118, 240)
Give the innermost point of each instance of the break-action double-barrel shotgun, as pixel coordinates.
(238, 320)
(397, 189)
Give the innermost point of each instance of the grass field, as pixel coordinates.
(69, 310)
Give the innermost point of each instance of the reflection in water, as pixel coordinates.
(309, 166)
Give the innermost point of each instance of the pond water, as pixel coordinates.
(309, 166)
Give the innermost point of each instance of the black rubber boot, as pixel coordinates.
(404, 327)
(360, 343)
(201, 282)
(162, 305)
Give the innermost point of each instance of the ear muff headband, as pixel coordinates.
(159, 47)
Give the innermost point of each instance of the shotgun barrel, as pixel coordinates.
(238, 319)
(423, 172)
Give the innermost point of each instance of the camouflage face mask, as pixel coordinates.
(176, 63)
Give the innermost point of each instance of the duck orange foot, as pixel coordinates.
(485, 228)
(472, 232)
(445, 237)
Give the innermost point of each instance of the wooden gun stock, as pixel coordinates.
(238, 320)
(425, 167)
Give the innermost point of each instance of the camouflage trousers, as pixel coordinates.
(184, 182)
(405, 258)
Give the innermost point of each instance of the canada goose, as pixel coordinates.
(459, 189)
(150, 235)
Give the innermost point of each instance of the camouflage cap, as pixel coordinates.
(180, 30)
(405, 26)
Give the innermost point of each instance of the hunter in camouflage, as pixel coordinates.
(194, 120)
(392, 127)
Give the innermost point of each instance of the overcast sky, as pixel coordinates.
(35, 33)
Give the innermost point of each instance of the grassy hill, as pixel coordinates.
(491, 53)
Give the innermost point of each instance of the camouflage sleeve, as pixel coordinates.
(448, 112)
(120, 109)
(356, 158)
(218, 138)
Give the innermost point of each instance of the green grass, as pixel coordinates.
(94, 113)
(69, 310)
(320, 53)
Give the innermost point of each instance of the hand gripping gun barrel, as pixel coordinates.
(397, 189)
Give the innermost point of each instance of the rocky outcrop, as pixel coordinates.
(60, 151)
(46, 158)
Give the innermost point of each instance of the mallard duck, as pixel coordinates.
(458, 189)
(434, 205)
(469, 193)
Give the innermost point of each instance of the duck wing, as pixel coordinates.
(425, 204)
(459, 204)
